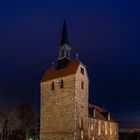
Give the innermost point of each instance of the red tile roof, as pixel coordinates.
(53, 72)
(101, 113)
(98, 108)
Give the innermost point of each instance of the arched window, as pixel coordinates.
(82, 125)
(82, 85)
(82, 70)
(52, 86)
(61, 84)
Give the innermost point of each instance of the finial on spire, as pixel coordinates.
(77, 56)
(64, 51)
(52, 62)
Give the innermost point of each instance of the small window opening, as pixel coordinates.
(52, 86)
(90, 111)
(82, 85)
(61, 84)
(82, 70)
(82, 125)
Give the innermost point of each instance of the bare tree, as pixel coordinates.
(26, 115)
(2, 120)
(14, 122)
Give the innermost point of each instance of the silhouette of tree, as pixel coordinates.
(26, 115)
(2, 120)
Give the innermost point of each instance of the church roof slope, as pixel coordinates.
(53, 72)
(101, 113)
(98, 108)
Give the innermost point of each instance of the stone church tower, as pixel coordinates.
(64, 97)
(65, 111)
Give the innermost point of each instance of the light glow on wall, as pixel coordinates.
(115, 129)
(99, 127)
(92, 127)
(105, 127)
(110, 129)
(82, 135)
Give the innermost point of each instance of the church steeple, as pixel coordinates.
(64, 50)
(64, 37)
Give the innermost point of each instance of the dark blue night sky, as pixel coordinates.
(106, 34)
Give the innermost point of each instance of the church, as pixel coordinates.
(66, 113)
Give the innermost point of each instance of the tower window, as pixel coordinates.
(82, 125)
(82, 85)
(61, 84)
(82, 70)
(90, 111)
(52, 86)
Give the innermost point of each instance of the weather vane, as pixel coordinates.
(77, 56)
(52, 62)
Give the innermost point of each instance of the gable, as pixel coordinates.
(54, 73)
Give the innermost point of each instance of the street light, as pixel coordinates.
(30, 139)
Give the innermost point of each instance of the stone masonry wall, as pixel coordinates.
(81, 96)
(107, 131)
(64, 111)
(63, 108)
(57, 109)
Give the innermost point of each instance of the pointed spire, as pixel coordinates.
(64, 37)
(64, 50)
